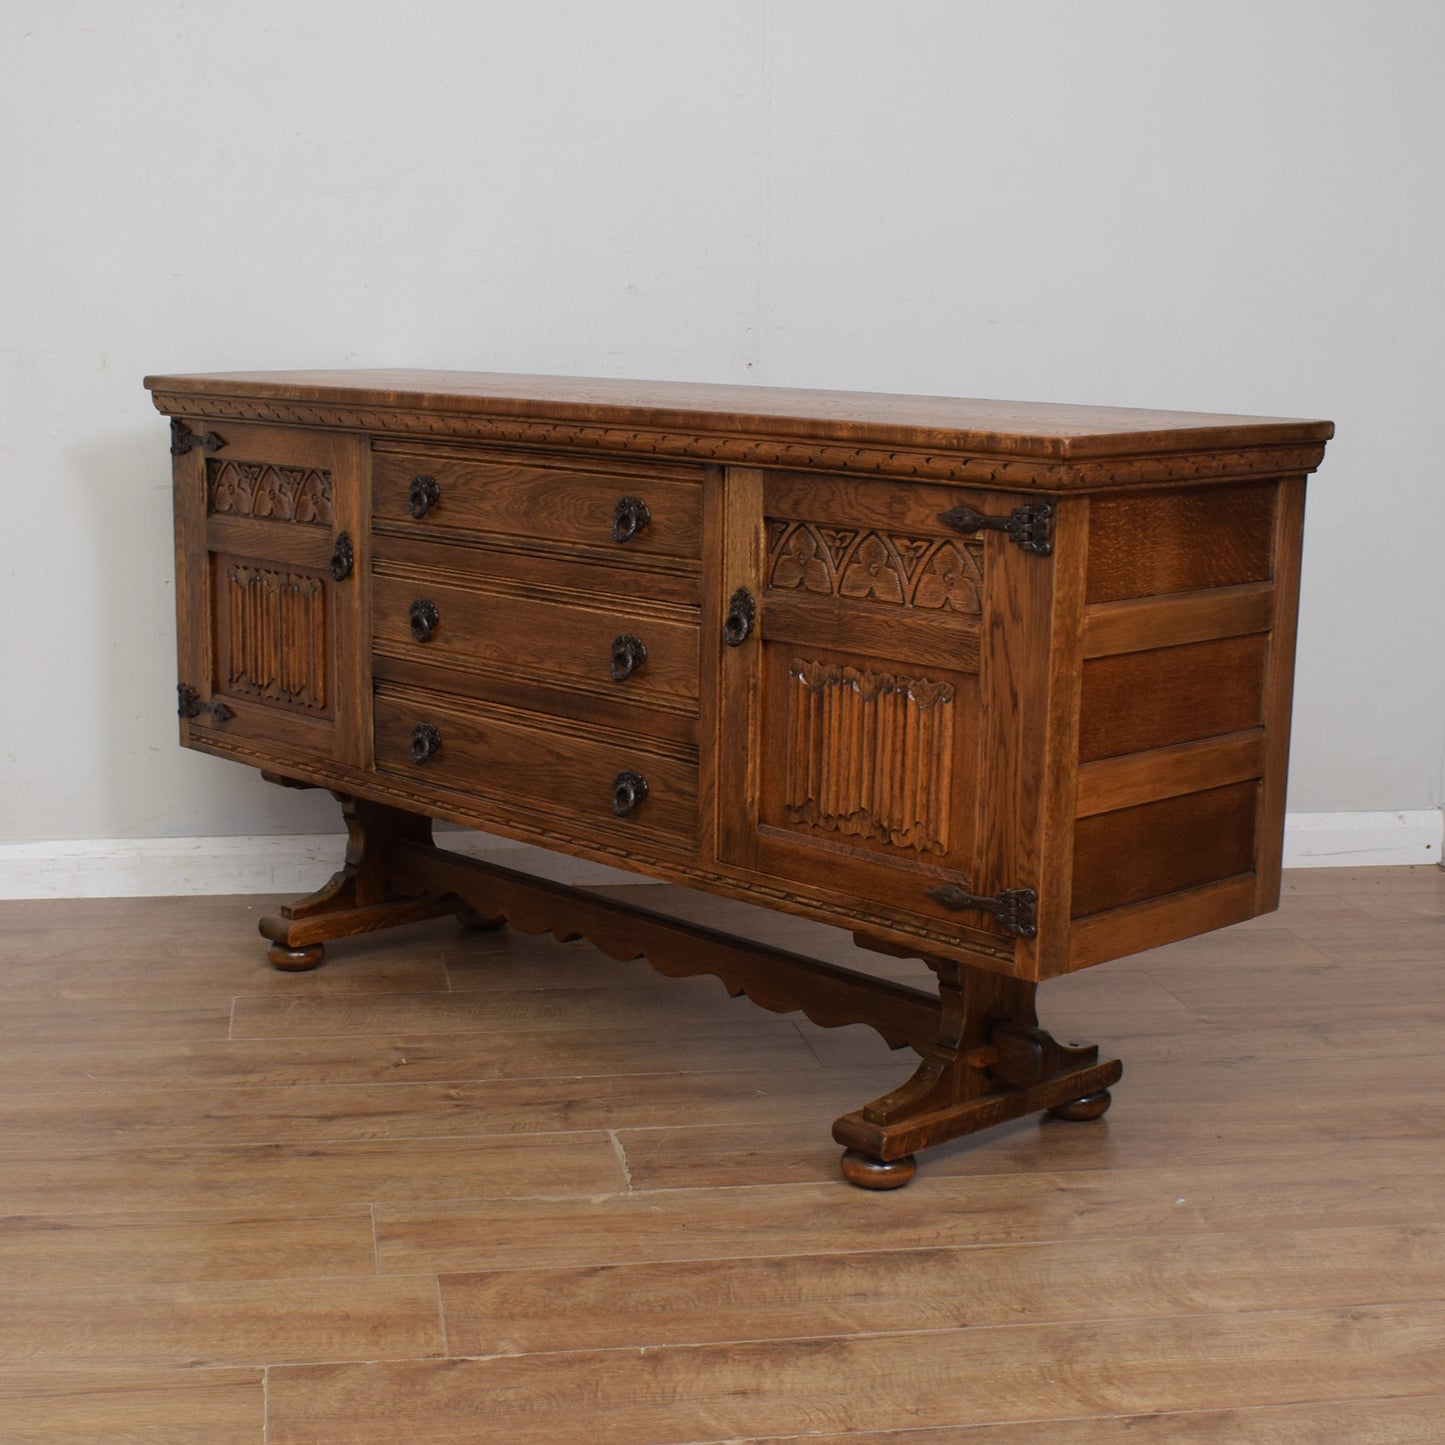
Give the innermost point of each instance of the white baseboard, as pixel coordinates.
(287, 863)
(1363, 840)
(297, 863)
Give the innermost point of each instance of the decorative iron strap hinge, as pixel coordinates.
(1015, 908)
(1030, 527)
(190, 705)
(183, 439)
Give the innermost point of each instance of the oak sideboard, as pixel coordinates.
(1003, 687)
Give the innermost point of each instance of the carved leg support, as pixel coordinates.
(991, 1062)
(360, 898)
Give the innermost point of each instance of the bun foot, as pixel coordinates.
(869, 1173)
(475, 922)
(1091, 1106)
(295, 960)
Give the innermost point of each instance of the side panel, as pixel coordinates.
(1184, 713)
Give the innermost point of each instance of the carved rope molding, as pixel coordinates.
(928, 573)
(1018, 474)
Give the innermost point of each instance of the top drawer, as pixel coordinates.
(647, 511)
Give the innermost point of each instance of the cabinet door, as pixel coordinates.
(268, 539)
(880, 700)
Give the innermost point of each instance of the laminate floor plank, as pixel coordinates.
(103, 1248)
(1399, 1421)
(805, 1296)
(218, 968)
(1400, 1187)
(254, 1322)
(58, 1021)
(271, 1176)
(947, 1377)
(133, 1406)
(796, 1148)
(687, 1004)
(52, 1124)
(725, 1042)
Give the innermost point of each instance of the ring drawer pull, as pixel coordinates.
(423, 496)
(629, 518)
(628, 654)
(629, 792)
(741, 616)
(424, 619)
(426, 742)
(343, 558)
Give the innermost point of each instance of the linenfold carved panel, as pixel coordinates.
(275, 637)
(931, 573)
(869, 754)
(261, 489)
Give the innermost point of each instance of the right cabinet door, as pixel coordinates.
(887, 750)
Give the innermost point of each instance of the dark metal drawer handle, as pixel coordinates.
(423, 496)
(629, 792)
(343, 559)
(424, 619)
(629, 518)
(426, 742)
(628, 654)
(742, 615)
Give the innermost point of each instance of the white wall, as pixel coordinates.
(1235, 206)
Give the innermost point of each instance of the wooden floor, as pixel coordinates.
(460, 1187)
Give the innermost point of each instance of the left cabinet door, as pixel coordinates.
(269, 565)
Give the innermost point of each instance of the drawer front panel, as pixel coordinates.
(524, 764)
(552, 503)
(575, 644)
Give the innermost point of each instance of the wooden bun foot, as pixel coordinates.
(295, 960)
(869, 1173)
(1091, 1106)
(470, 919)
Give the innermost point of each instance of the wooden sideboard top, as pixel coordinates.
(714, 415)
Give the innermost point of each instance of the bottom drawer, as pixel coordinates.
(520, 764)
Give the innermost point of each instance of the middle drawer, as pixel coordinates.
(618, 650)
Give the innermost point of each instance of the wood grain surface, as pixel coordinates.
(487, 1186)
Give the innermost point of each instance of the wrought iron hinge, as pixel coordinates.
(183, 439)
(1015, 908)
(189, 704)
(1030, 527)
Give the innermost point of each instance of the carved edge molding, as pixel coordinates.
(1019, 474)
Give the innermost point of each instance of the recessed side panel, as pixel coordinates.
(1183, 716)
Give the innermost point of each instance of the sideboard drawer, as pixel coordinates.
(524, 764)
(633, 513)
(622, 651)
